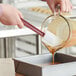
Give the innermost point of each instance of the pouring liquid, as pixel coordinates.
(53, 43)
(50, 41)
(52, 50)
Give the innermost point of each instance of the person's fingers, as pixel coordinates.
(57, 7)
(63, 6)
(11, 16)
(69, 9)
(4, 21)
(52, 8)
(20, 14)
(67, 6)
(51, 5)
(20, 23)
(71, 5)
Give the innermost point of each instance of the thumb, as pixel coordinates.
(63, 6)
(51, 5)
(20, 23)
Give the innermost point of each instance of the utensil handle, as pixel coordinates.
(58, 8)
(39, 32)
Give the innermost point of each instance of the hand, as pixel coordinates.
(10, 15)
(18, 74)
(65, 5)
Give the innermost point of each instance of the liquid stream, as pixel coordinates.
(54, 49)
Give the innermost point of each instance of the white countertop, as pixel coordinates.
(16, 32)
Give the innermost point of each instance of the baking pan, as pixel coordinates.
(39, 65)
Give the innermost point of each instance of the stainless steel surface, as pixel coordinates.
(38, 44)
(7, 48)
(26, 45)
(2, 48)
(10, 47)
(40, 65)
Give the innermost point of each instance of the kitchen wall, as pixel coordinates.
(73, 2)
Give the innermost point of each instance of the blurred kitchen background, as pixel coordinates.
(29, 44)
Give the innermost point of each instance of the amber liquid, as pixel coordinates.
(54, 49)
